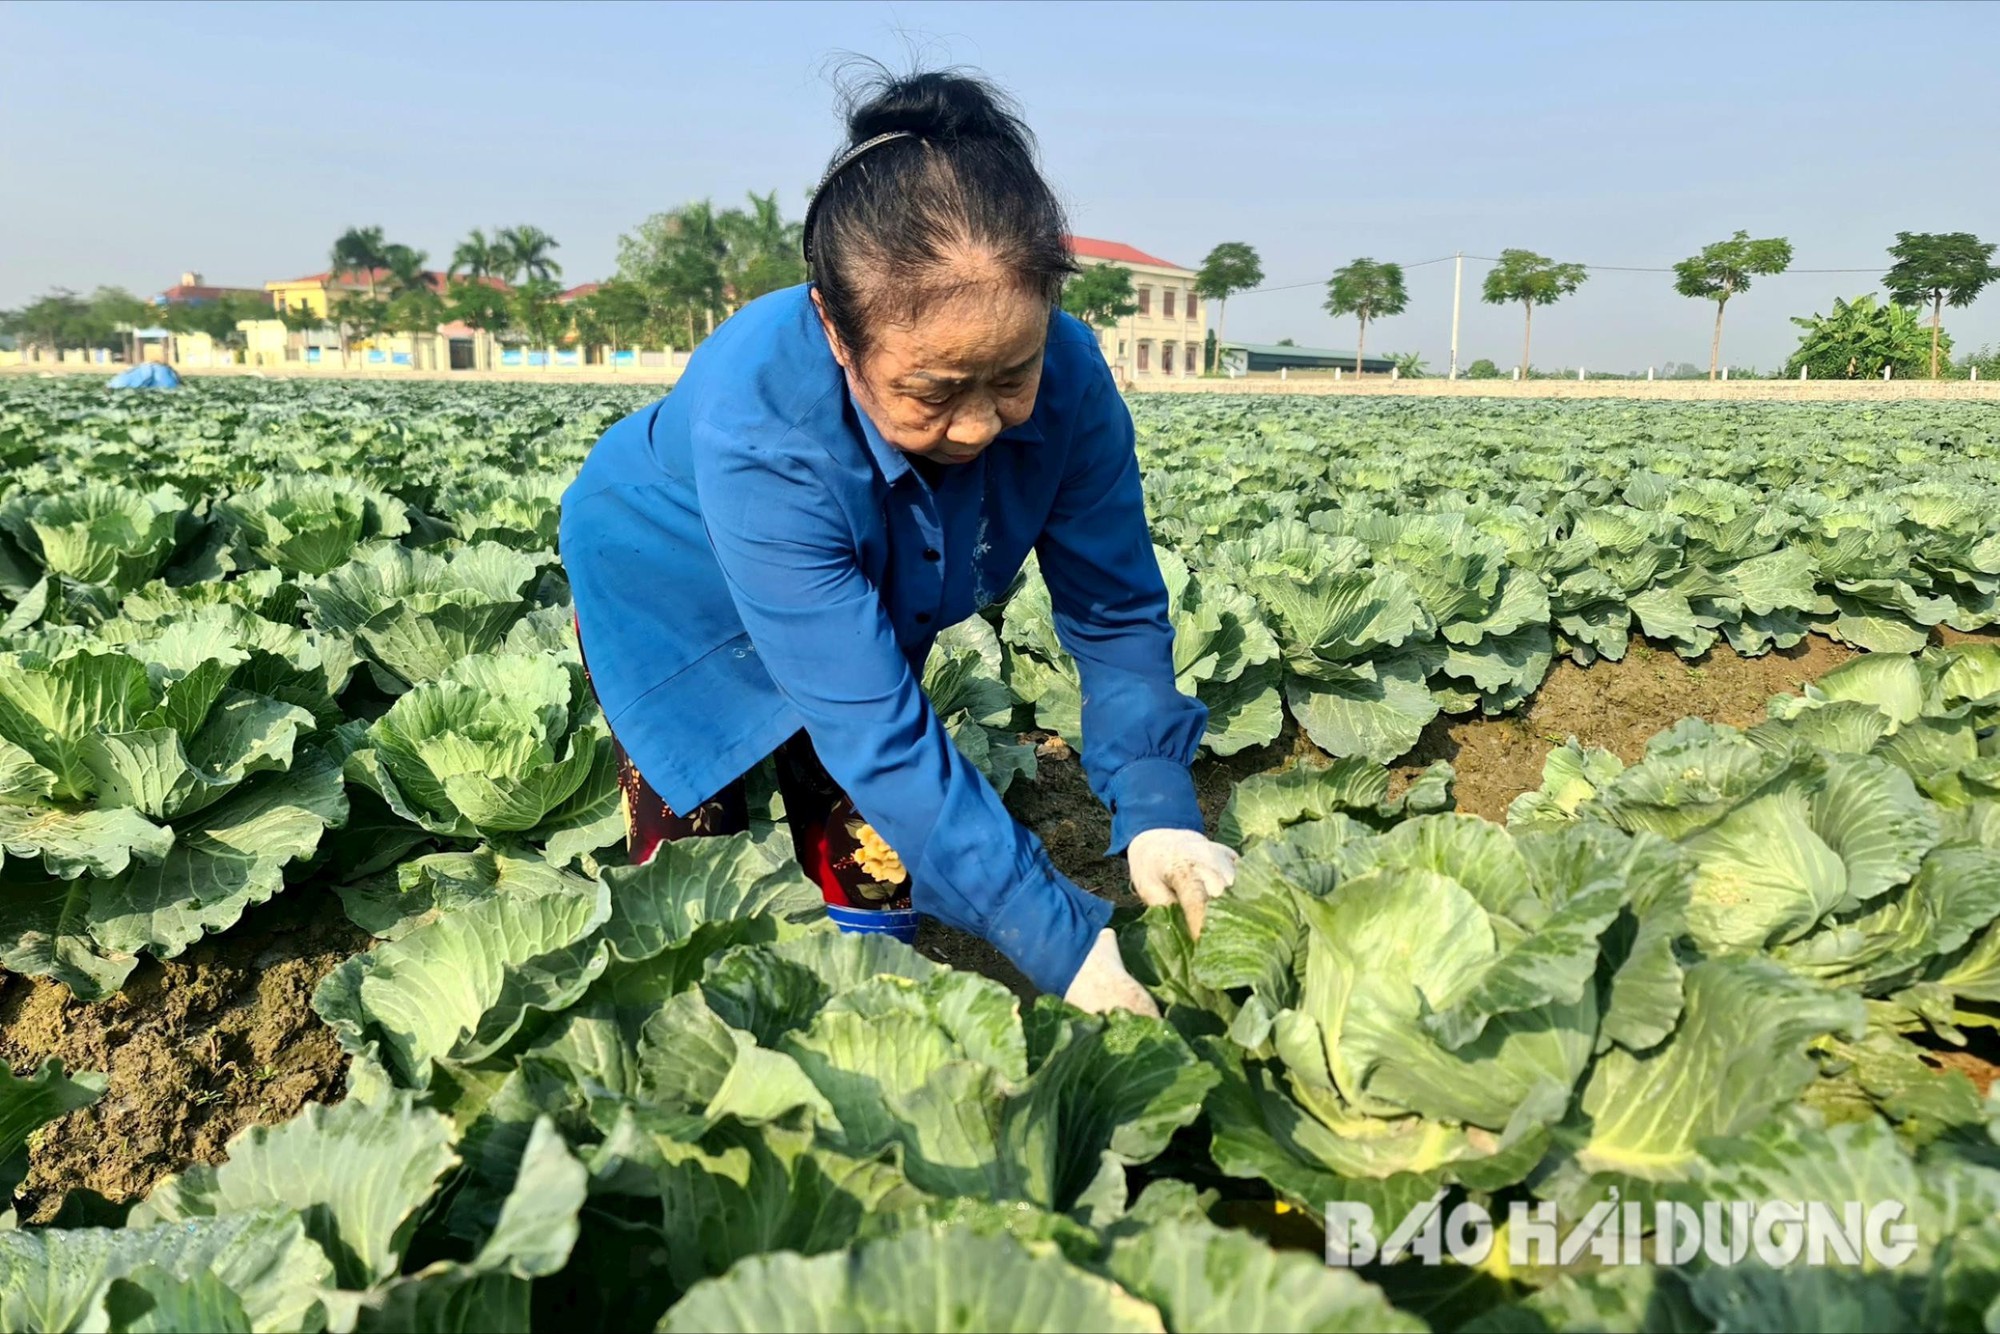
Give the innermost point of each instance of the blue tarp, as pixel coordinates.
(147, 375)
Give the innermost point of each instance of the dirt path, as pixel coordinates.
(1616, 705)
(1620, 706)
(195, 1048)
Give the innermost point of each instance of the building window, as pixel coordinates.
(1167, 351)
(1145, 353)
(1193, 359)
(1121, 347)
(1145, 301)
(1167, 303)
(1193, 310)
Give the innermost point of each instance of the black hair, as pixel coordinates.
(957, 172)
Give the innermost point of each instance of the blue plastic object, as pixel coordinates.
(898, 922)
(147, 375)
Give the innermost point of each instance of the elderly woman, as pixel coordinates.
(762, 560)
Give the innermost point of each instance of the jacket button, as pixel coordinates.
(930, 553)
(923, 618)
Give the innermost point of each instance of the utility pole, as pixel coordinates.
(1457, 283)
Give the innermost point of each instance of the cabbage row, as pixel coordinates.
(326, 644)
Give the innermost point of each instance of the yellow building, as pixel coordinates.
(317, 292)
(451, 345)
(1163, 338)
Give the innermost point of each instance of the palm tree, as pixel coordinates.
(477, 257)
(694, 275)
(761, 251)
(359, 249)
(406, 269)
(526, 251)
(414, 307)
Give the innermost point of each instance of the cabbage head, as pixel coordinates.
(149, 793)
(506, 746)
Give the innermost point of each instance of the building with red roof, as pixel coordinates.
(317, 292)
(1163, 338)
(192, 291)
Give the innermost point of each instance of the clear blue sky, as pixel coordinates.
(239, 139)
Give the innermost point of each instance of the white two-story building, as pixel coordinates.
(1163, 338)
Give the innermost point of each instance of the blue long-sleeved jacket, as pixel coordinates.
(749, 557)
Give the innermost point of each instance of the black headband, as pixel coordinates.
(806, 230)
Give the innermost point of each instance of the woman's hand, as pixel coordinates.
(1103, 984)
(1180, 866)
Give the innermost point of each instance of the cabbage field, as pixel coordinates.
(329, 999)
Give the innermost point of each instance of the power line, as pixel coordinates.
(1321, 282)
(1636, 268)
(1594, 268)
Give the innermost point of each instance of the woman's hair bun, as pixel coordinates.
(942, 106)
(938, 165)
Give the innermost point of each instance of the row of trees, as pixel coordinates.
(1929, 270)
(678, 273)
(681, 271)
(110, 317)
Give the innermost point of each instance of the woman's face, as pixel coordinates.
(944, 385)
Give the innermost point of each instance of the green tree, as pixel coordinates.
(56, 320)
(302, 319)
(406, 270)
(614, 315)
(416, 313)
(1724, 269)
(114, 315)
(538, 314)
(1986, 361)
(479, 304)
(1482, 369)
(218, 319)
(1859, 338)
(1231, 267)
(1208, 352)
(414, 308)
(1368, 291)
(1101, 295)
(1533, 280)
(525, 252)
(477, 257)
(678, 258)
(1933, 268)
(359, 250)
(359, 316)
(1409, 365)
(760, 251)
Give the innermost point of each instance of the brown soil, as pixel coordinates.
(1616, 705)
(1620, 706)
(1976, 1068)
(195, 1049)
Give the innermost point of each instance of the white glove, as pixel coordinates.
(1103, 984)
(1180, 866)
